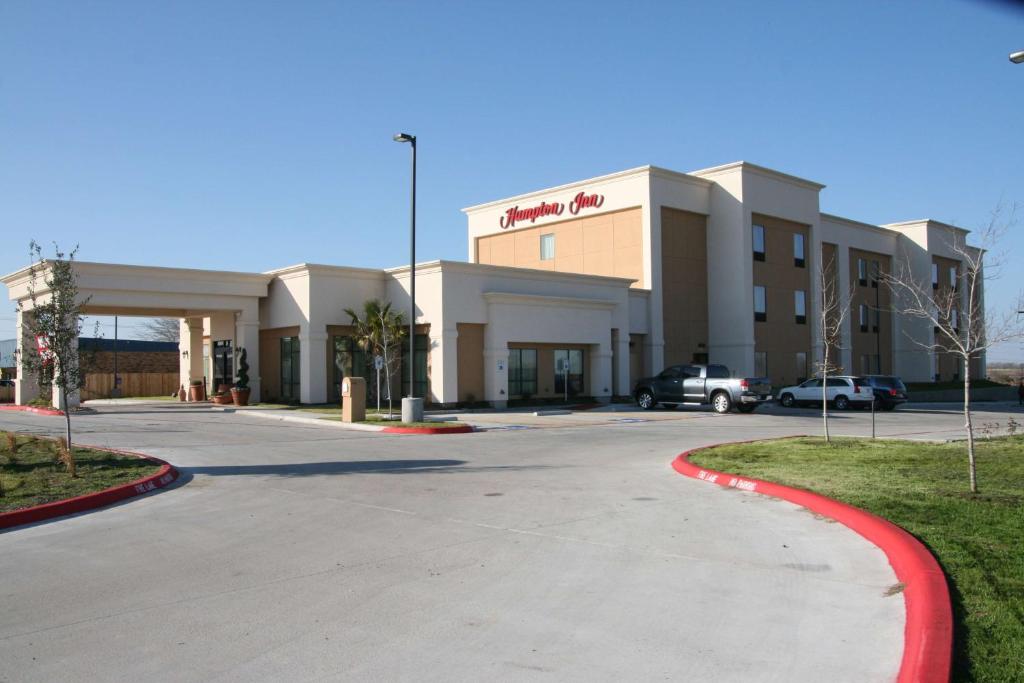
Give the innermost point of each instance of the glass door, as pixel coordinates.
(290, 390)
(568, 369)
(223, 365)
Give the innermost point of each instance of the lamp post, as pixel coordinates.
(1017, 57)
(412, 409)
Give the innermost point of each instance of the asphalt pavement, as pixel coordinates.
(562, 550)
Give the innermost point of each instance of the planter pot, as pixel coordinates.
(221, 399)
(240, 396)
(181, 394)
(197, 393)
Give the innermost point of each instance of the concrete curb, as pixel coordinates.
(33, 409)
(90, 501)
(463, 429)
(928, 633)
(458, 429)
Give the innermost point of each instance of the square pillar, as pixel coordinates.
(313, 364)
(26, 386)
(845, 337)
(601, 372)
(73, 398)
(444, 366)
(247, 336)
(621, 384)
(190, 345)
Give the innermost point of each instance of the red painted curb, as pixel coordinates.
(460, 429)
(89, 501)
(928, 634)
(33, 409)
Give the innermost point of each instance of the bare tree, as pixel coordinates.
(161, 329)
(835, 308)
(962, 328)
(55, 322)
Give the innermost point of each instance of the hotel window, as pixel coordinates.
(798, 250)
(935, 276)
(522, 373)
(875, 315)
(876, 270)
(863, 318)
(547, 247)
(801, 366)
(760, 304)
(952, 277)
(422, 343)
(954, 319)
(290, 388)
(760, 364)
(862, 272)
(758, 235)
(800, 306)
(351, 361)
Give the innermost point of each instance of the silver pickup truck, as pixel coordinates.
(700, 385)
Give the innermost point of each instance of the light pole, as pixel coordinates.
(1017, 57)
(412, 410)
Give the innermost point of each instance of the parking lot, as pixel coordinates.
(540, 547)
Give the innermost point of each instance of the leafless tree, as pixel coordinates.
(161, 329)
(962, 328)
(835, 308)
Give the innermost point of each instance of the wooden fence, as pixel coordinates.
(99, 385)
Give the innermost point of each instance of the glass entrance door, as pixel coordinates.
(223, 364)
(568, 368)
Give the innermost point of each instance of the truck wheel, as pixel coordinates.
(787, 400)
(747, 407)
(842, 403)
(645, 399)
(721, 403)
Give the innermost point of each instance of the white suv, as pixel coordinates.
(843, 392)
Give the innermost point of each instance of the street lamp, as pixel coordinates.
(1017, 57)
(412, 411)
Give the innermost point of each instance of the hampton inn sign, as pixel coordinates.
(580, 201)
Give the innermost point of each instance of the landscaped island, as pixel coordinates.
(978, 539)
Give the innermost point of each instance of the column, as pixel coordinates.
(26, 386)
(190, 367)
(601, 372)
(72, 397)
(845, 338)
(247, 336)
(444, 366)
(313, 363)
(622, 385)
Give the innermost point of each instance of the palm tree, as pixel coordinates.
(379, 332)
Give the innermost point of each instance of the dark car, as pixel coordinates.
(890, 391)
(6, 382)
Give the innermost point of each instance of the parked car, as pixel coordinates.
(701, 385)
(890, 391)
(6, 382)
(844, 392)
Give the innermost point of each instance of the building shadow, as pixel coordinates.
(343, 467)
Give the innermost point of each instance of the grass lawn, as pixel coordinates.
(32, 476)
(978, 540)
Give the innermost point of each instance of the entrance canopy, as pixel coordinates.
(222, 300)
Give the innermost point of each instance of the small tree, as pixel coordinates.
(961, 328)
(835, 308)
(162, 329)
(55, 320)
(379, 332)
(242, 379)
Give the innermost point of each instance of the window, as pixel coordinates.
(571, 360)
(935, 276)
(952, 277)
(422, 343)
(760, 364)
(801, 366)
(290, 387)
(798, 250)
(954, 319)
(760, 304)
(863, 318)
(547, 247)
(862, 272)
(758, 242)
(717, 372)
(836, 382)
(876, 269)
(800, 306)
(223, 364)
(875, 316)
(522, 373)
(352, 361)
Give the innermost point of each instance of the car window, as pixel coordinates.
(811, 383)
(671, 373)
(718, 372)
(836, 382)
(861, 382)
(689, 371)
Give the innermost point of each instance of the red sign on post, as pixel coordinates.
(43, 347)
(580, 201)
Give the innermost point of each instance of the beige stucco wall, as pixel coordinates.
(684, 282)
(471, 362)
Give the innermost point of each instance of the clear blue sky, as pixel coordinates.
(254, 135)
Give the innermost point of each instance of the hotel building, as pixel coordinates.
(579, 289)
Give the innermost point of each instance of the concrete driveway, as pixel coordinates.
(305, 552)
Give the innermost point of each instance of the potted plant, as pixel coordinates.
(196, 391)
(222, 398)
(240, 392)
